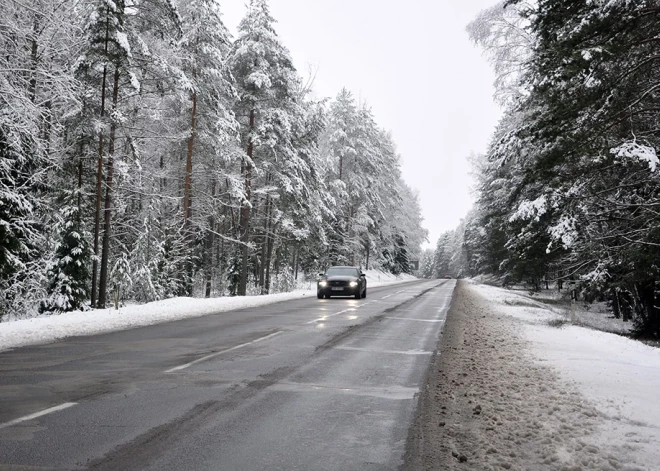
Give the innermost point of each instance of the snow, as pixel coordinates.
(135, 83)
(617, 377)
(563, 231)
(45, 329)
(122, 41)
(633, 150)
(531, 209)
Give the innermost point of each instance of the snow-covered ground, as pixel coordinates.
(617, 376)
(45, 329)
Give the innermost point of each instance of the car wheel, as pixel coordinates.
(364, 295)
(327, 296)
(319, 295)
(358, 295)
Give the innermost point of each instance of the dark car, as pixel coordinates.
(342, 281)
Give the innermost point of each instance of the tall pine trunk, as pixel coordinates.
(210, 242)
(265, 255)
(269, 257)
(34, 59)
(245, 212)
(187, 196)
(99, 173)
(105, 254)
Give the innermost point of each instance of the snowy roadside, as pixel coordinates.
(45, 329)
(510, 391)
(620, 377)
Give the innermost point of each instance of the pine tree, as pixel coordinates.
(206, 45)
(69, 275)
(267, 85)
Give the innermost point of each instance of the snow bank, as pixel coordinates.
(549, 305)
(377, 278)
(618, 376)
(46, 329)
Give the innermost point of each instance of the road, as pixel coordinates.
(305, 384)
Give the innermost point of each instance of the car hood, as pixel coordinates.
(339, 278)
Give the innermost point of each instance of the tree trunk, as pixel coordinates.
(269, 254)
(210, 240)
(80, 182)
(187, 197)
(264, 244)
(99, 175)
(103, 282)
(262, 266)
(245, 213)
(34, 59)
(616, 307)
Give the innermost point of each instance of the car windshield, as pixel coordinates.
(342, 271)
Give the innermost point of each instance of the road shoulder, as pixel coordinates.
(488, 404)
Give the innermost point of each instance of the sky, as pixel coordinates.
(414, 64)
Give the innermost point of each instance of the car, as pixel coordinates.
(342, 281)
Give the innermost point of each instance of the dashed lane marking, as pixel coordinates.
(50, 410)
(213, 355)
(417, 320)
(397, 352)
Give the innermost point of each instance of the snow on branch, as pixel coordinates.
(530, 209)
(633, 150)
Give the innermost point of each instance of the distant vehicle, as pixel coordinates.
(449, 277)
(342, 281)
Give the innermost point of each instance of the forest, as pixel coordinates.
(568, 190)
(146, 153)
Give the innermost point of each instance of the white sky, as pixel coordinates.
(414, 64)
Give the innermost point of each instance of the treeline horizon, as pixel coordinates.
(145, 153)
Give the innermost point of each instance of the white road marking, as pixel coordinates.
(392, 392)
(66, 405)
(398, 352)
(322, 318)
(212, 355)
(418, 320)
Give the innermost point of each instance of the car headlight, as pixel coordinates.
(323, 283)
(353, 284)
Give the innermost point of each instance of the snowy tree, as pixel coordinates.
(571, 182)
(37, 92)
(267, 85)
(69, 275)
(190, 165)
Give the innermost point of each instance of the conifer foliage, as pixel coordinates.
(568, 190)
(145, 153)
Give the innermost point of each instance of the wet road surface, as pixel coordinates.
(305, 384)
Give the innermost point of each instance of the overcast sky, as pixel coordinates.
(413, 63)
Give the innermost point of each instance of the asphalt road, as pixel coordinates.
(298, 385)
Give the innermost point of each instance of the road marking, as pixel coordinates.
(391, 392)
(212, 355)
(322, 318)
(398, 352)
(418, 320)
(66, 405)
